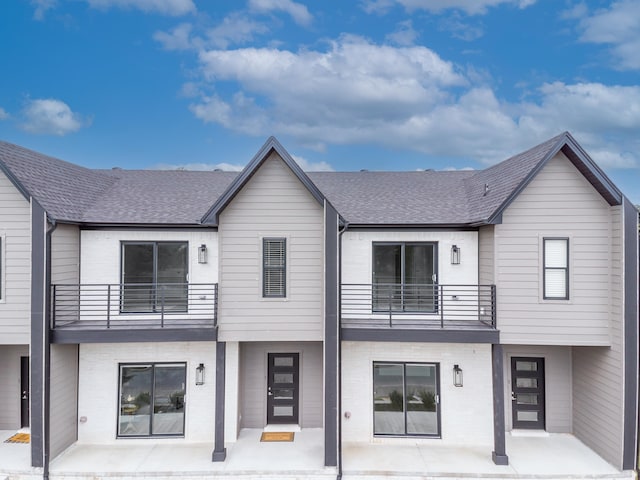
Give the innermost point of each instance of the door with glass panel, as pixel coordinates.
(406, 399)
(282, 388)
(527, 392)
(404, 277)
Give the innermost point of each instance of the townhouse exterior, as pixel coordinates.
(446, 308)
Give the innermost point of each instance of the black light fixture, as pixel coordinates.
(202, 254)
(455, 255)
(457, 376)
(200, 374)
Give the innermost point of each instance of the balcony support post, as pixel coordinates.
(441, 290)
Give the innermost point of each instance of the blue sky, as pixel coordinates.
(344, 85)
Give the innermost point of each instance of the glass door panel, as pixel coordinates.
(138, 278)
(136, 383)
(422, 415)
(168, 400)
(388, 399)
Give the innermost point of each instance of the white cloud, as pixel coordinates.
(460, 28)
(297, 11)
(619, 27)
(305, 164)
(236, 29)
(470, 7)
(3, 114)
(50, 117)
(199, 167)
(42, 7)
(405, 35)
(177, 39)
(164, 7)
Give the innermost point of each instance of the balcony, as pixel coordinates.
(425, 307)
(137, 312)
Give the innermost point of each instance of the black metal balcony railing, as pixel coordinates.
(115, 306)
(422, 306)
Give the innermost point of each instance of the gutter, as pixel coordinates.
(47, 353)
(340, 232)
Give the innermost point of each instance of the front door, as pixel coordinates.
(282, 388)
(527, 392)
(24, 391)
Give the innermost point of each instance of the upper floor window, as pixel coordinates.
(404, 276)
(274, 267)
(556, 268)
(154, 276)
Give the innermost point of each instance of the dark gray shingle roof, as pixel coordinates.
(76, 194)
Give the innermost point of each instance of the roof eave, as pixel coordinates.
(581, 160)
(271, 145)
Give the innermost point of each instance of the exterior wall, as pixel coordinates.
(10, 385)
(274, 203)
(598, 382)
(63, 397)
(558, 202)
(357, 254)
(466, 412)
(15, 267)
(253, 382)
(101, 253)
(98, 388)
(486, 260)
(558, 384)
(65, 254)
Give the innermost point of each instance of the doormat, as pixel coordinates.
(277, 436)
(19, 438)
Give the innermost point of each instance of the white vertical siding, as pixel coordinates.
(486, 252)
(64, 397)
(558, 202)
(598, 371)
(557, 379)
(466, 412)
(10, 385)
(274, 203)
(15, 264)
(253, 382)
(65, 254)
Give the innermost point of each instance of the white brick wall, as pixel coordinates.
(466, 412)
(98, 387)
(101, 253)
(357, 254)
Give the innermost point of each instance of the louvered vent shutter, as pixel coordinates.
(274, 253)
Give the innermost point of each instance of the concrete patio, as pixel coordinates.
(548, 457)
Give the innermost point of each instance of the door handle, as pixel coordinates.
(514, 397)
(25, 395)
(269, 392)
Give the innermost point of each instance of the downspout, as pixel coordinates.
(340, 232)
(47, 352)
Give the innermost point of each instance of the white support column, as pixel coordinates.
(232, 392)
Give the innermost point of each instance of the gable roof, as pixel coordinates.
(271, 145)
(74, 194)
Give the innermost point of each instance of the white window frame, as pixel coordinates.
(546, 268)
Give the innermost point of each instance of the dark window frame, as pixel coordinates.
(155, 308)
(404, 284)
(277, 268)
(545, 269)
(438, 399)
(153, 365)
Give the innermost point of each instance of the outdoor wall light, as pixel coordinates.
(200, 374)
(202, 254)
(457, 376)
(455, 255)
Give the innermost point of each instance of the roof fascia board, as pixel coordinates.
(271, 145)
(595, 170)
(565, 141)
(414, 226)
(16, 183)
(141, 226)
(497, 215)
